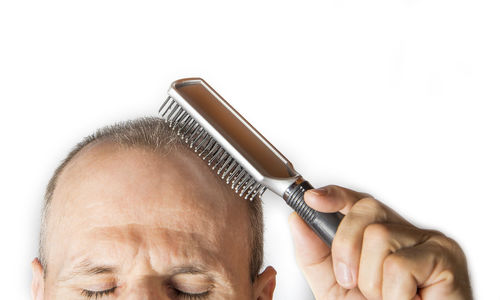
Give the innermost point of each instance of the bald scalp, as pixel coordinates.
(152, 134)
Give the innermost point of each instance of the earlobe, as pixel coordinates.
(264, 284)
(38, 281)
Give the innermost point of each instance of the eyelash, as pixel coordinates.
(188, 296)
(97, 294)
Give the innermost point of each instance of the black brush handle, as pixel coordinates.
(323, 224)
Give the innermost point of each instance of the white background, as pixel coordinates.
(395, 98)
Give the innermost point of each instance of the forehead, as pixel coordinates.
(131, 183)
(110, 195)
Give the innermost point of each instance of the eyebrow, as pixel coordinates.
(94, 270)
(87, 268)
(188, 270)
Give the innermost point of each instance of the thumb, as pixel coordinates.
(313, 257)
(333, 198)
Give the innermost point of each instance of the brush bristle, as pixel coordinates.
(202, 143)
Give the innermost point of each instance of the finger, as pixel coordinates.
(313, 257)
(332, 198)
(428, 266)
(379, 241)
(346, 247)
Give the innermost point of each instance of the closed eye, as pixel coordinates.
(189, 296)
(97, 294)
(182, 295)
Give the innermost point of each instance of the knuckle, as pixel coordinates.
(444, 241)
(447, 276)
(369, 203)
(448, 249)
(332, 189)
(370, 206)
(394, 265)
(376, 232)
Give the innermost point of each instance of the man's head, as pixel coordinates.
(131, 213)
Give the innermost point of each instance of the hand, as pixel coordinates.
(376, 254)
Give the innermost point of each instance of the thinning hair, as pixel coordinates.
(152, 133)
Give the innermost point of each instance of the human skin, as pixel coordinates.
(376, 254)
(137, 224)
(147, 217)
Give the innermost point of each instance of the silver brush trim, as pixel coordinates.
(202, 143)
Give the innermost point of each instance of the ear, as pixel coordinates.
(38, 281)
(263, 287)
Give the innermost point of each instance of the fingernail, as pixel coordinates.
(319, 192)
(343, 274)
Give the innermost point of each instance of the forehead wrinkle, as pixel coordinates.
(158, 250)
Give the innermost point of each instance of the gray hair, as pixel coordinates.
(154, 134)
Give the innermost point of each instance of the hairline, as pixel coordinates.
(110, 134)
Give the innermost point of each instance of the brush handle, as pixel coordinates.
(323, 224)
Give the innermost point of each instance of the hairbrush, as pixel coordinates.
(237, 152)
